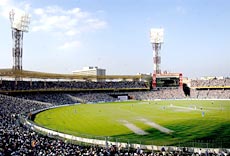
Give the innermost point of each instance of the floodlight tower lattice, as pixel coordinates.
(19, 25)
(156, 39)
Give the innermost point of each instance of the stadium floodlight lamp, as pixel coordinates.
(19, 21)
(156, 35)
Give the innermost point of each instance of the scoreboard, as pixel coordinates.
(167, 82)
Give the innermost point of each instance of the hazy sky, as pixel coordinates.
(66, 35)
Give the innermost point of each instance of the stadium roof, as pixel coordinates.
(42, 75)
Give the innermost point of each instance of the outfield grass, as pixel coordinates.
(183, 117)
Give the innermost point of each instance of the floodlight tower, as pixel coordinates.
(156, 39)
(19, 24)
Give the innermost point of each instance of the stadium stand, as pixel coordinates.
(211, 83)
(65, 85)
(172, 93)
(210, 94)
(64, 98)
(210, 89)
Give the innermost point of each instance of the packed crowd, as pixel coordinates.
(53, 98)
(67, 98)
(179, 94)
(57, 85)
(211, 82)
(94, 98)
(176, 93)
(81, 97)
(210, 94)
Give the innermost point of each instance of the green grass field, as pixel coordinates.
(190, 120)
